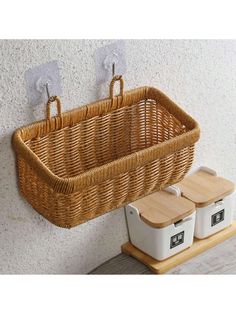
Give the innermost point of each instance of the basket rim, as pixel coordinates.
(116, 167)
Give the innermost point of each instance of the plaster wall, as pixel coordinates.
(199, 75)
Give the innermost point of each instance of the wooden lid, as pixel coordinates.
(204, 188)
(162, 208)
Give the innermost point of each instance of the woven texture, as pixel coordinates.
(85, 162)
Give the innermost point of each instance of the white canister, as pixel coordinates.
(161, 224)
(214, 200)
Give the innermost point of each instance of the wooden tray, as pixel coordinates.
(198, 247)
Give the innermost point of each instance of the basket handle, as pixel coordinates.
(48, 107)
(120, 79)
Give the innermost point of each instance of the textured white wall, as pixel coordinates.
(199, 75)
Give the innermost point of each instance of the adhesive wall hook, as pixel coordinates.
(110, 61)
(43, 81)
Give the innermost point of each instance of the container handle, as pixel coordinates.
(173, 189)
(182, 221)
(208, 170)
(120, 79)
(205, 169)
(48, 107)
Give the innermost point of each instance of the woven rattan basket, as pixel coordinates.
(85, 162)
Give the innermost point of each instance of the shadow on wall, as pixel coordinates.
(31, 244)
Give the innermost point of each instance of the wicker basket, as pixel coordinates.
(85, 162)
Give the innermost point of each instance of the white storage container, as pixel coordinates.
(161, 224)
(214, 200)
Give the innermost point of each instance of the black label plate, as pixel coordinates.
(177, 239)
(217, 217)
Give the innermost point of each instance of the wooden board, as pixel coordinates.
(203, 188)
(198, 247)
(162, 209)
